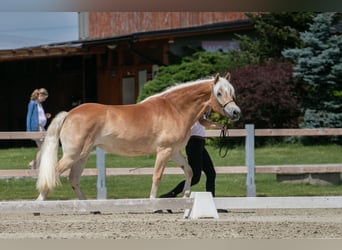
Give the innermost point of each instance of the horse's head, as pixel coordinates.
(223, 98)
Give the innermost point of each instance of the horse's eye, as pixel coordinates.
(219, 94)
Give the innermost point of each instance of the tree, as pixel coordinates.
(318, 65)
(274, 32)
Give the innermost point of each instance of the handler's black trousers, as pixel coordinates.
(199, 160)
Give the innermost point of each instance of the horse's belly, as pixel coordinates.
(123, 152)
(127, 148)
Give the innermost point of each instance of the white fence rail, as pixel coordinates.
(149, 205)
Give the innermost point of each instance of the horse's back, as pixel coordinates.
(84, 116)
(116, 128)
(88, 109)
(95, 112)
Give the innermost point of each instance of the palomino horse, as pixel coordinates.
(158, 125)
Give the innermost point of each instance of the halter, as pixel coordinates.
(224, 131)
(222, 106)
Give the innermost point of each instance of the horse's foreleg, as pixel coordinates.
(161, 160)
(179, 159)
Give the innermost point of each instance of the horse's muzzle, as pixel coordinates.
(232, 112)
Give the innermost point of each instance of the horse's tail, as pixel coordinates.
(47, 178)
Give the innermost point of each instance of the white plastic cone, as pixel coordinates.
(203, 207)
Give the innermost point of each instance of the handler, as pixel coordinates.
(198, 158)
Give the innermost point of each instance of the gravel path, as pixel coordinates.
(240, 224)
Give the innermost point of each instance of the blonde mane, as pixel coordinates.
(178, 86)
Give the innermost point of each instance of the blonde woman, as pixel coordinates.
(36, 117)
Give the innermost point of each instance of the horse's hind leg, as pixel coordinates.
(42, 196)
(179, 159)
(70, 161)
(65, 163)
(75, 176)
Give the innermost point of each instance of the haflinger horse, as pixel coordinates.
(159, 125)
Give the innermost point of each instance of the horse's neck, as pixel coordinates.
(192, 101)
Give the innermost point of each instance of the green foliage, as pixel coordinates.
(201, 64)
(274, 32)
(267, 95)
(318, 64)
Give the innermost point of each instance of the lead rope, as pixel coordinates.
(222, 141)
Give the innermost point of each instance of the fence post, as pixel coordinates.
(101, 176)
(249, 148)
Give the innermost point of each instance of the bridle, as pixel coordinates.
(222, 106)
(224, 131)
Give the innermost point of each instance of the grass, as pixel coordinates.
(228, 185)
(18, 158)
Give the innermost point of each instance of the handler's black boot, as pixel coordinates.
(161, 211)
(168, 195)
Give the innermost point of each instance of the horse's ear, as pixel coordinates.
(227, 76)
(217, 78)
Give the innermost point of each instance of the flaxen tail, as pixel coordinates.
(47, 178)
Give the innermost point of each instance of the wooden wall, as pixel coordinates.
(107, 24)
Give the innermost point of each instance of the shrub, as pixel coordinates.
(201, 64)
(267, 95)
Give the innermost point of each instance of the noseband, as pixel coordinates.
(224, 105)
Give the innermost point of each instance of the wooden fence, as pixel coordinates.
(249, 169)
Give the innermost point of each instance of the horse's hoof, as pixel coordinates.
(187, 194)
(161, 211)
(40, 198)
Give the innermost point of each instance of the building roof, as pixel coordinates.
(93, 46)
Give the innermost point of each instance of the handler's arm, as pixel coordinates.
(209, 124)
